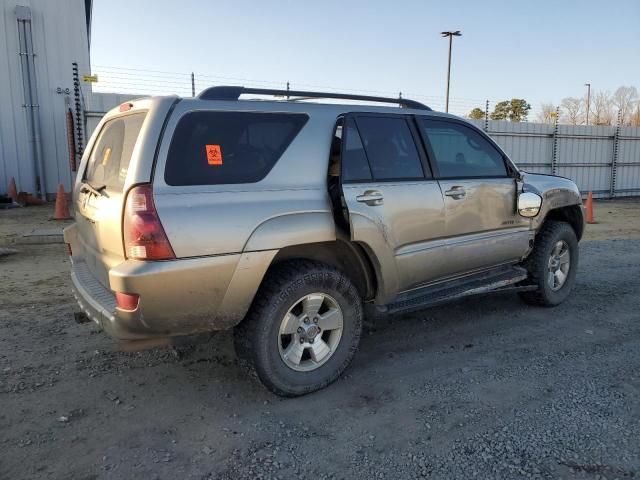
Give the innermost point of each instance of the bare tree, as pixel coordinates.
(572, 110)
(602, 108)
(547, 113)
(635, 118)
(624, 99)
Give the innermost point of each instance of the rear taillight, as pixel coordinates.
(143, 235)
(127, 301)
(69, 250)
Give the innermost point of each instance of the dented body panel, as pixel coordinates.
(556, 192)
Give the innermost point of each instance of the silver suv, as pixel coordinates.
(284, 218)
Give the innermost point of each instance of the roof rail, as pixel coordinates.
(233, 93)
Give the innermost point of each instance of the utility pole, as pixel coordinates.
(588, 85)
(450, 35)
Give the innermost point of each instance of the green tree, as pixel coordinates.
(501, 111)
(515, 110)
(519, 110)
(476, 114)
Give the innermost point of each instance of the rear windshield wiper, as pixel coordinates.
(97, 190)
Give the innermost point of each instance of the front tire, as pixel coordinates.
(303, 328)
(552, 264)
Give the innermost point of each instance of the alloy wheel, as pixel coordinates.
(310, 332)
(559, 265)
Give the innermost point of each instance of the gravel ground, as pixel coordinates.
(484, 388)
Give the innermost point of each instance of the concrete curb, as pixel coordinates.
(38, 236)
(41, 239)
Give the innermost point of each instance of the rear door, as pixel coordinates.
(395, 207)
(482, 224)
(100, 194)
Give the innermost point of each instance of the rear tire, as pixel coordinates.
(552, 264)
(303, 328)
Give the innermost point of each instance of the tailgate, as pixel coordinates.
(100, 194)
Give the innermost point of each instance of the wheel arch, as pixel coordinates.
(346, 256)
(571, 214)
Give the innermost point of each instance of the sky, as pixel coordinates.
(539, 50)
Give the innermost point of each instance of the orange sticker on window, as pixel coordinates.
(214, 155)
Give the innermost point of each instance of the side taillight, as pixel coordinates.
(127, 301)
(143, 235)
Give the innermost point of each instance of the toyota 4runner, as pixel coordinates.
(283, 219)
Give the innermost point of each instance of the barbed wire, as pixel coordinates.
(140, 81)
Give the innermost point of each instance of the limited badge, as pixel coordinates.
(214, 155)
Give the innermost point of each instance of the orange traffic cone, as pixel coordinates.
(13, 191)
(62, 209)
(589, 207)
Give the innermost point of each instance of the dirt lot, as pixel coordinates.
(486, 388)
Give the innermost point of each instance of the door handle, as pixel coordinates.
(371, 197)
(456, 192)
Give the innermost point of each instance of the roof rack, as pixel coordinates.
(233, 93)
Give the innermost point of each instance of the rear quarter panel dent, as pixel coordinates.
(292, 229)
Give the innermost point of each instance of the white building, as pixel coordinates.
(39, 42)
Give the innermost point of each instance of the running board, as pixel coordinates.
(497, 280)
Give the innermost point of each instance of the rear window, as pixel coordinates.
(111, 154)
(211, 148)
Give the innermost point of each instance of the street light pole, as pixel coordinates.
(450, 35)
(588, 85)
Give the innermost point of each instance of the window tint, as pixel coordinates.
(210, 148)
(461, 151)
(354, 161)
(390, 148)
(109, 160)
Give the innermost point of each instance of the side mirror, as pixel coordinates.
(529, 204)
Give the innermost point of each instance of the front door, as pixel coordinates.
(395, 207)
(482, 224)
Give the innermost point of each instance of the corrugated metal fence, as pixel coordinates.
(603, 160)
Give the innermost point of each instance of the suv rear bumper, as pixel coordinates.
(177, 297)
(95, 300)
